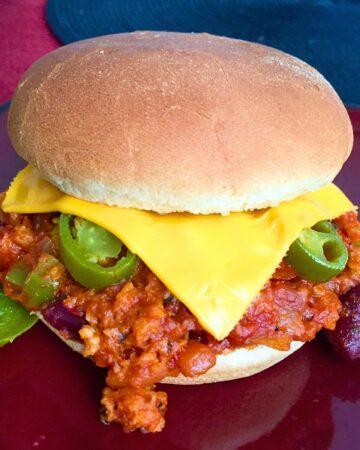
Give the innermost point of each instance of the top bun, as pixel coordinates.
(179, 122)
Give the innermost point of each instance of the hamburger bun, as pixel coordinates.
(239, 363)
(179, 122)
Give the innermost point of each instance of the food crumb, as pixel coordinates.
(37, 442)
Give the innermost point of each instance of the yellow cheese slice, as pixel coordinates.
(215, 265)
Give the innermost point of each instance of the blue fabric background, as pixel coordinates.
(324, 33)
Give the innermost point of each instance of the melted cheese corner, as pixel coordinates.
(215, 265)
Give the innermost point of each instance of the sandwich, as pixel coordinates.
(177, 220)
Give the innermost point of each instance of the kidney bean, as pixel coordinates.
(196, 359)
(345, 339)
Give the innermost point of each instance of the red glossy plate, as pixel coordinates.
(49, 396)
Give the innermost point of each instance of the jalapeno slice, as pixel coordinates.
(319, 253)
(96, 243)
(14, 319)
(79, 253)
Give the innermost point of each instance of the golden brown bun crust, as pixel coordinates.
(179, 122)
(239, 363)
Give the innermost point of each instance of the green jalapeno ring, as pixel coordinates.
(319, 253)
(96, 243)
(88, 273)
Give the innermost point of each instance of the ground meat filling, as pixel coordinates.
(141, 333)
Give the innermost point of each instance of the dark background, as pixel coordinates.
(324, 33)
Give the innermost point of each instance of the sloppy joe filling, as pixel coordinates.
(141, 334)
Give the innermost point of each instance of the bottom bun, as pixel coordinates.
(238, 363)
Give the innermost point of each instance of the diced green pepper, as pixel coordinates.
(79, 253)
(39, 286)
(14, 319)
(17, 274)
(319, 253)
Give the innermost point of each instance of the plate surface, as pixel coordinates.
(49, 396)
